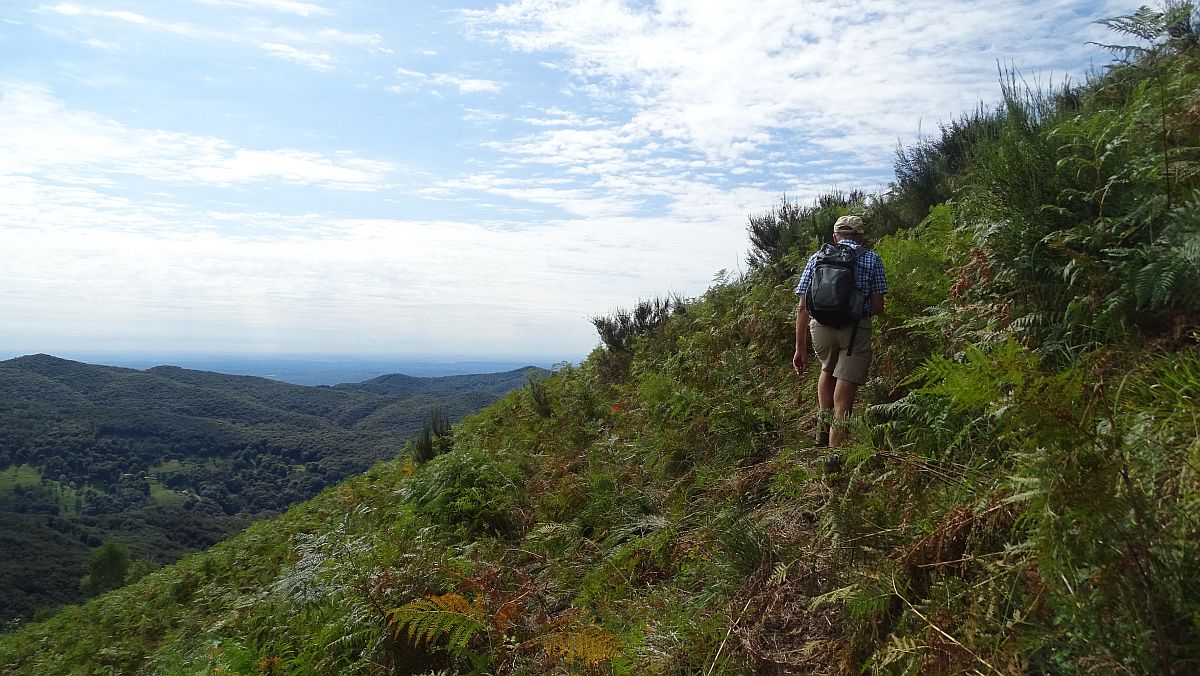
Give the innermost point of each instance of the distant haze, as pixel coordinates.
(316, 369)
(448, 178)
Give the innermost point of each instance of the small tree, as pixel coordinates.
(618, 330)
(106, 568)
(540, 397)
(436, 436)
(790, 226)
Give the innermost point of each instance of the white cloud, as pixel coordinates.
(102, 44)
(560, 117)
(557, 193)
(280, 41)
(702, 119)
(444, 80)
(315, 60)
(466, 85)
(292, 166)
(850, 78)
(71, 9)
(478, 116)
(373, 285)
(332, 35)
(59, 144)
(148, 267)
(304, 9)
(67, 8)
(650, 132)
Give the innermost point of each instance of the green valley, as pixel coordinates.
(168, 461)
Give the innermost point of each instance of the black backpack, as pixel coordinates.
(833, 297)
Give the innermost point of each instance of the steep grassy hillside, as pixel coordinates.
(1020, 494)
(169, 460)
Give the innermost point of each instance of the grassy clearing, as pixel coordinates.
(161, 495)
(27, 477)
(22, 475)
(168, 467)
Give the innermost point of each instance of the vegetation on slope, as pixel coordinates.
(1020, 495)
(169, 461)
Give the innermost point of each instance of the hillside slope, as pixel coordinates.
(1020, 494)
(170, 460)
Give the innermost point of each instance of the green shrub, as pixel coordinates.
(468, 488)
(789, 227)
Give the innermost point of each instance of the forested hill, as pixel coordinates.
(1020, 492)
(398, 383)
(170, 460)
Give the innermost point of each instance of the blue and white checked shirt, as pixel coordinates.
(868, 275)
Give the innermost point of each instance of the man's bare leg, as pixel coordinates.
(826, 384)
(844, 392)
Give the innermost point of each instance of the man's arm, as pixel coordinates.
(877, 284)
(800, 359)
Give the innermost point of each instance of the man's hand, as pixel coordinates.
(800, 361)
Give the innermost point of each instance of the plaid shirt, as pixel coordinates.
(868, 275)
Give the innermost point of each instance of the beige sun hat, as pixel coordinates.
(849, 225)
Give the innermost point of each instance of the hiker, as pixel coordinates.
(843, 343)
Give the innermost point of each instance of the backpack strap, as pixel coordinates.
(855, 253)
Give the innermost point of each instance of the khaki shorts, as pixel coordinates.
(831, 346)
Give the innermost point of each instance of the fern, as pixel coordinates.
(554, 538)
(590, 645)
(637, 526)
(313, 578)
(453, 621)
(449, 617)
(354, 642)
(469, 488)
(1168, 281)
(1150, 26)
(779, 576)
(353, 635)
(898, 648)
(1171, 277)
(832, 597)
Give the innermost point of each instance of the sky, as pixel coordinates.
(448, 178)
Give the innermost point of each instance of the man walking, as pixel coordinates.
(844, 351)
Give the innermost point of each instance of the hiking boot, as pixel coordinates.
(823, 438)
(833, 464)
